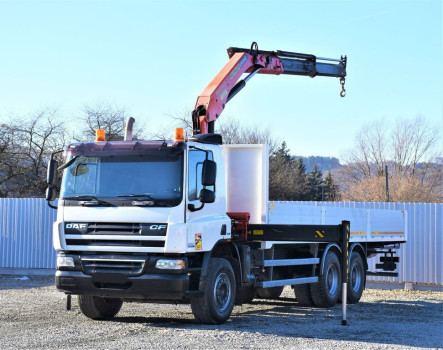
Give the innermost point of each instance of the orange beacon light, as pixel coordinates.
(179, 135)
(100, 135)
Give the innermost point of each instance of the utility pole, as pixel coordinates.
(387, 183)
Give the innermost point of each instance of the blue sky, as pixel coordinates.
(155, 57)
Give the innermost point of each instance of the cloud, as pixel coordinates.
(369, 16)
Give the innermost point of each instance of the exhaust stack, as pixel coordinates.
(128, 131)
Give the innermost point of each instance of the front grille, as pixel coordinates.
(111, 242)
(127, 265)
(115, 237)
(114, 229)
(124, 229)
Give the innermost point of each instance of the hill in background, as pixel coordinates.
(323, 163)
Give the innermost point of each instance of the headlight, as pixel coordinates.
(65, 261)
(170, 264)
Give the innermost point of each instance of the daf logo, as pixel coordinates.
(157, 227)
(78, 226)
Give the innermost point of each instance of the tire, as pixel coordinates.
(326, 292)
(99, 308)
(357, 279)
(248, 294)
(216, 304)
(269, 293)
(303, 294)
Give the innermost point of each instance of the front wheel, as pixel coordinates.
(216, 304)
(99, 308)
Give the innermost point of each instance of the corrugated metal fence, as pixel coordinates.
(26, 233)
(26, 237)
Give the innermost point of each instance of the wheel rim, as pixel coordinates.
(222, 291)
(332, 279)
(355, 278)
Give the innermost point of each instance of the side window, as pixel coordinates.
(196, 159)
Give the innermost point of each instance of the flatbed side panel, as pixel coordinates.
(367, 225)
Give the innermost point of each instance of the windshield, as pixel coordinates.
(158, 179)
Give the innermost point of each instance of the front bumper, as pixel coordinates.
(147, 284)
(145, 287)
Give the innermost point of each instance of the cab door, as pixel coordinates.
(207, 225)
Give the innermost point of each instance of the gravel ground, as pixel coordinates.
(33, 316)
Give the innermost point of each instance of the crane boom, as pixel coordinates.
(226, 84)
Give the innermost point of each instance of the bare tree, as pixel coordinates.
(235, 133)
(8, 158)
(408, 149)
(413, 143)
(368, 158)
(26, 145)
(181, 119)
(110, 118)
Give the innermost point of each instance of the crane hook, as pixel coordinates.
(343, 90)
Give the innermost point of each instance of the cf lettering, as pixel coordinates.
(157, 227)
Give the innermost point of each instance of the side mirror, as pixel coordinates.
(51, 193)
(206, 196)
(209, 173)
(51, 176)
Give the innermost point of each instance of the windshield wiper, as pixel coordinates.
(63, 166)
(147, 196)
(88, 200)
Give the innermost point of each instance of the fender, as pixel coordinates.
(220, 246)
(329, 246)
(358, 247)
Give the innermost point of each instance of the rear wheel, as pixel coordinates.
(216, 304)
(303, 294)
(269, 293)
(99, 308)
(248, 294)
(357, 278)
(326, 292)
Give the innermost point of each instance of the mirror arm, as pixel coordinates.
(51, 206)
(192, 207)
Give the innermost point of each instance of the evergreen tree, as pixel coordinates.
(331, 192)
(316, 184)
(287, 177)
(301, 181)
(283, 153)
(279, 179)
(300, 168)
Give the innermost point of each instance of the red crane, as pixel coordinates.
(225, 85)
